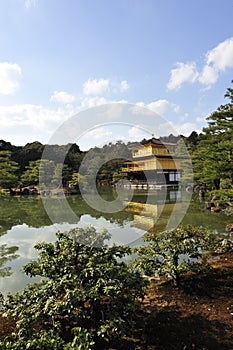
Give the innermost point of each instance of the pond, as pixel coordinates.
(24, 222)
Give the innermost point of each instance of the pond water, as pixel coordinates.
(24, 222)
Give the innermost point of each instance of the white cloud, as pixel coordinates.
(90, 102)
(10, 75)
(140, 104)
(62, 97)
(95, 87)
(26, 123)
(29, 3)
(217, 60)
(138, 133)
(184, 117)
(124, 85)
(221, 57)
(31, 122)
(184, 129)
(208, 76)
(159, 106)
(97, 136)
(30, 115)
(171, 127)
(140, 108)
(176, 108)
(98, 133)
(185, 72)
(201, 119)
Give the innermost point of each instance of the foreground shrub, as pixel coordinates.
(87, 299)
(223, 194)
(176, 252)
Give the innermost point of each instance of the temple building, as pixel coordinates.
(154, 164)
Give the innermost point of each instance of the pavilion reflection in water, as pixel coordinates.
(156, 211)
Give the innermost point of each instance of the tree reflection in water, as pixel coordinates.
(7, 254)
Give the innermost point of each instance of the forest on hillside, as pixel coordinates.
(211, 153)
(21, 166)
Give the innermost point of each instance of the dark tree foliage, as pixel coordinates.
(28, 160)
(170, 139)
(7, 254)
(74, 157)
(101, 164)
(30, 152)
(89, 296)
(174, 253)
(7, 146)
(229, 94)
(213, 158)
(192, 141)
(8, 170)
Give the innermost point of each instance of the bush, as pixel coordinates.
(225, 184)
(88, 296)
(224, 194)
(173, 253)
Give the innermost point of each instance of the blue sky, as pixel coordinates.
(58, 58)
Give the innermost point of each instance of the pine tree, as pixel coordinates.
(8, 170)
(213, 159)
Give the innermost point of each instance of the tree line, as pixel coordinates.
(211, 154)
(23, 166)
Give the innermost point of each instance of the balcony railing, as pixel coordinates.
(131, 168)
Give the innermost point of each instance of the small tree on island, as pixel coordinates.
(8, 171)
(88, 298)
(175, 252)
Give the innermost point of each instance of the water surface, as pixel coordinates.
(24, 222)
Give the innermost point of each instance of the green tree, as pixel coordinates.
(28, 153)
(100, 164)
(77, 180)
(39, 169)
(182, 153)
(118, 176)
(90, 166)
(62, 175)
(6, 254)
(8, 170)
(174, 253)
(213, 158)
(74, 157)
(88, 298)
(31, 175)
(192, 141)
